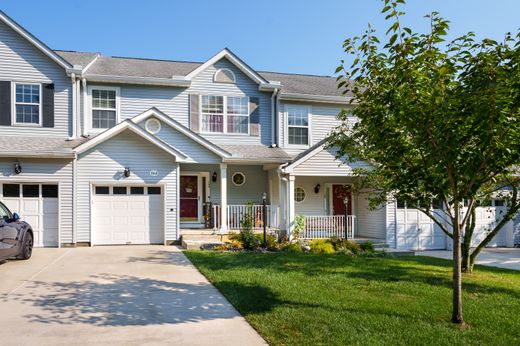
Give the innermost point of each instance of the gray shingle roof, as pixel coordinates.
(136, 67)
(16, 146)
(256, 152)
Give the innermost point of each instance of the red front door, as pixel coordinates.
(189, 198)
(339, 194)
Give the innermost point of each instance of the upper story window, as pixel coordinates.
(27, 103)
(298, 125)
(104, 107)
(225, 114)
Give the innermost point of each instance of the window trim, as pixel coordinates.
(304, 194)
(225, 116)
(220, 70)
(233, 178)
(13, 104)
(287, 107)
(90, 109)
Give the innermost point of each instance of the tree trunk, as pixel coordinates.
(457, 268)
(467, 258)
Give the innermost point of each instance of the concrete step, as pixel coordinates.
(197, 244)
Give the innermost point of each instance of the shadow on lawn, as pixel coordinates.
(430, 271)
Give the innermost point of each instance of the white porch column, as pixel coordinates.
(223, 197)
(290, 204)
(282, 201)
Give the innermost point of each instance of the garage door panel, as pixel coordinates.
(127, 219)
(30, 206)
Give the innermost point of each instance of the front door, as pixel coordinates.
(340, 193)
(189, 198)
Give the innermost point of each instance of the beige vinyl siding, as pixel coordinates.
(391, 217)
(274, 184)
(58, 171)
(188, 146)
(104, 164)
(21, 61)
(371, 223)
(325, 163)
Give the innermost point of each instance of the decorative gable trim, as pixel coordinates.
(182, 129)
(129, 125)
(34, 41)
(242, 66)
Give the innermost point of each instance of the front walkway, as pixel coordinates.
(508, 258)
(125, 295)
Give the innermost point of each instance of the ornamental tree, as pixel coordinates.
(438, 120)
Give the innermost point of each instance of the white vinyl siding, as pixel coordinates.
(325, 163)
(126, 150)
(23, 63)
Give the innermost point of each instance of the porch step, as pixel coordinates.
(198, 244)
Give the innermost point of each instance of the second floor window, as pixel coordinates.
(27, 103)
(104, 108)
(298, 125)
(225, 114)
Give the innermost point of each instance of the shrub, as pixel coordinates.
(271, 241)
(220, 247)
(322, 246)
(299, 227)
(367, 246)
(292, 248)
(345, 244)
(249, 240)
(236, 244)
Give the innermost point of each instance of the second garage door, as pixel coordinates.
(127, 215)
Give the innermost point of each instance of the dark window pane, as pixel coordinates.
(137, 190)
(31, 190)
(50, 191)
(437, 204)
(499, 202)
(298, 135)
(102, 190)
(119, 190)
(154, 190)
(11, 190)
(400, 204)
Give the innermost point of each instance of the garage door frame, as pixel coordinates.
(111, 185)
(39, 182)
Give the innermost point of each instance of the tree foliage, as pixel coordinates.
(437, 119)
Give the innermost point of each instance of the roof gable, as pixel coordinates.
(129, 125)
(154, 112)
(34, 41)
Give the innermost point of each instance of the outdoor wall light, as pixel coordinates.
(126, 173)
(17, 168)
(317, 188)
(214, 177)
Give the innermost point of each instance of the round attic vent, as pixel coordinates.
(153, 126)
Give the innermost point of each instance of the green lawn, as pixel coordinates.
(334, 299)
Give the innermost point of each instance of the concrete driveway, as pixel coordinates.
(508, 258)
(131, 295)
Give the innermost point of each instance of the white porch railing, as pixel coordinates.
(328, 226)
(235, 214)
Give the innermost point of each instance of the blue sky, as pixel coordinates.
(296, 36)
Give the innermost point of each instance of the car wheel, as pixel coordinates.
(27, 247)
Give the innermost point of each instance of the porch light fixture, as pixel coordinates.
(17, 168)
(126, 172)
(317, 188)
(214, 177)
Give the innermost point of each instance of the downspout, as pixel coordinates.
(74, 107)
(84, 110)
(74, 199)
(274, 117)
(78, 108)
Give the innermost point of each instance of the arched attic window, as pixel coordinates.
(224, 75)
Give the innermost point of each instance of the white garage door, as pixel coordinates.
(416, 231)
(38, 205)
(127, 215)
(486, 220)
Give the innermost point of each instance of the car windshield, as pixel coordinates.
(4, 212)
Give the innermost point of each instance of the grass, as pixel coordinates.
(307, 299)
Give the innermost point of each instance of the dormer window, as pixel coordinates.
(27, 104)
(224, 75)
(104, 105)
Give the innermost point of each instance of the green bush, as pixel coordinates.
(272, 241)
(342, 245)
(367, 246)
(321, 246)
(249, 239)
(292, 248)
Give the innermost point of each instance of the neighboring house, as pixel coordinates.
(109, 150)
